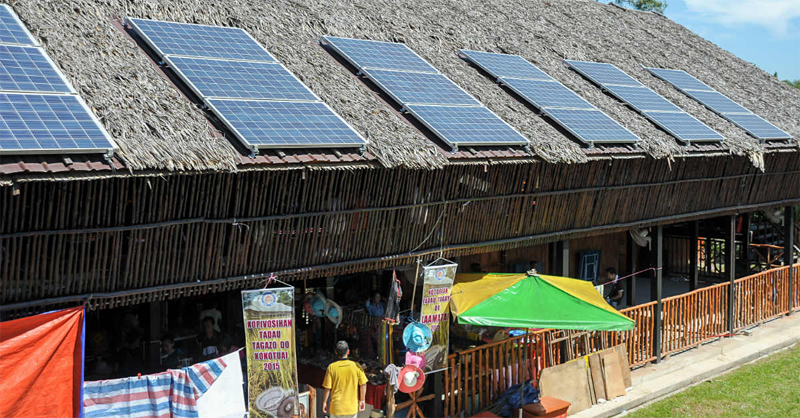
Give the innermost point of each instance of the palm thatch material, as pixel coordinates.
(158, 128)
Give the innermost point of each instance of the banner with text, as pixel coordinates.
(271, 355)
(438, 281)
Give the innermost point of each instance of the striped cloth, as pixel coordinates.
(172, 393)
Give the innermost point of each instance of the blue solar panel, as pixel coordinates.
(273, 124)
(421, 88)
(679, 79)
(547, 94)
(757, 127)
(592, 126)
(463, 126)
(684, 127)
(642, 98)
(603, 73)
(505, 65)
(171, 38)
(24, 68)
(12, 31)
(240, 79)
(716, 102)
(35, 123)
(366, 54)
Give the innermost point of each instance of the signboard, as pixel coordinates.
(438, 282)
(271, 355)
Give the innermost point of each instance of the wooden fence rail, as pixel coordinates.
(476, 377)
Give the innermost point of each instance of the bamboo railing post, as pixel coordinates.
(730, 269)
(788, 243)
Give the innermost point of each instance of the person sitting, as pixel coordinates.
(617, 290)
(209, 340)
(170, 355)
(374, 305)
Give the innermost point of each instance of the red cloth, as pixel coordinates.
(41, 364)
(376, 395)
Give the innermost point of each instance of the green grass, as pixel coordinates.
(767, 388)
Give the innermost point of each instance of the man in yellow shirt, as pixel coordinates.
(343, 378)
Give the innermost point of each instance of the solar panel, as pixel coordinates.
(591, 126)
(240, 79)
(679, 79)
(602, 73)
(716, 102)
(261, 123)
(40, 123)
(421, 88)
(546, 94)
(642, 98)
(757, 126)
(172, 38)
(465, 126)
(721, 104)
(366, 54)
(684, 127)
(12, 31)
(28, 69)
(505, 65)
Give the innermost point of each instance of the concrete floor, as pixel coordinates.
(682, 370)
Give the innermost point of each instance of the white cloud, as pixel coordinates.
(775, 15)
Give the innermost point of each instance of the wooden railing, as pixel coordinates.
(762, 296)
(693, 318)
(476, 377)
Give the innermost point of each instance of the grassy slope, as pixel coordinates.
(767, 388)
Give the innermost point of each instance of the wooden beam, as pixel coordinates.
(788, 249)
(694, 274)
(730, 268)
(564, 257)
(656, 290)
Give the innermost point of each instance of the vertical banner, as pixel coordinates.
(271, 353)
(438, 281)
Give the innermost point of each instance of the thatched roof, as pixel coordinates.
(156, 127)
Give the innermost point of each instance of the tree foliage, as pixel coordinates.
(795, 83)
(645, 5)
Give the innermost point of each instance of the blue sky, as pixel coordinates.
(764, 32)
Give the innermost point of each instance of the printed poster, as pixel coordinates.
(271, 353)
(438, 282)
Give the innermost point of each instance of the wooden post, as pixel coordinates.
(631, 261)
(788, 249)
(656, 292)
(154, 336)
(563, 254)
(746, 243)
(694, 274)
(438, 391)
(730, 268)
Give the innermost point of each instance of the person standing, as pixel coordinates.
(375, 306)
(341, 381)
(614, 297)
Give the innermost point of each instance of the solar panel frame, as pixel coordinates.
(736, 119)
(565, 117)
(263, 56)
(446, 88)
(216, 104)
(6, 117)
(431, 123)
(672, 77)
(602, 78)
(518, 86)
(699, 132)
(340, 48)
(482, 59)
(177, 63)
(31, 52)
(730, 116)
(9, 18)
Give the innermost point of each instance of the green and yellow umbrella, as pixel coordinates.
(539, 301)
